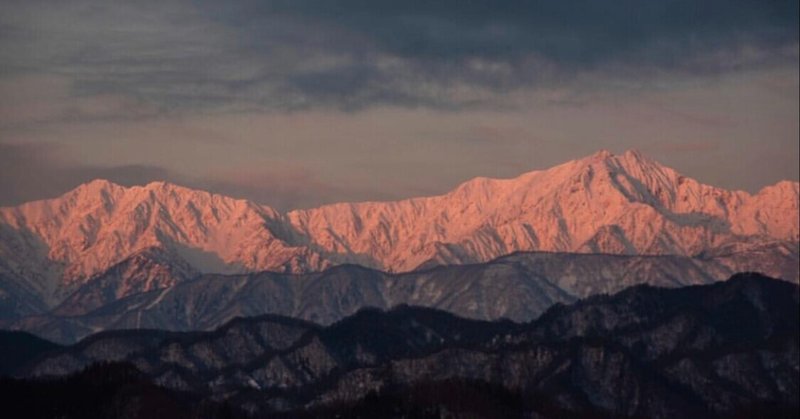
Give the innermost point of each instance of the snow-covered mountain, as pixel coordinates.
(625, 204)
(604, 203)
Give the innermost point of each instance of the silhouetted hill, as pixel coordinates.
(101, 391)
(17, 349)
(718, 350)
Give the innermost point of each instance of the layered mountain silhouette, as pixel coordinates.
(728, 349)
(126, 241)
(520, 287)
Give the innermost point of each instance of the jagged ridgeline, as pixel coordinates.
(728, 349)
(105, 256)
(518, 287)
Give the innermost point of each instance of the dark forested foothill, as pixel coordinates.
(725, 350)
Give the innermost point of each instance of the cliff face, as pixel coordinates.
(648, 352)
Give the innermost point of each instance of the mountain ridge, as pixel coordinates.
(711, 350)
(519, 286)
(604, 203)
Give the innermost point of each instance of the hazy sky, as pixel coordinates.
(296, 103)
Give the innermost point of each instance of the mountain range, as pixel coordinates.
(727, 349)
(597, 224)
(520, 287)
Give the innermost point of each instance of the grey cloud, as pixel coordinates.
(581, 31)
(34, 171)
(285, 191)
(573, 36)
(351, 54)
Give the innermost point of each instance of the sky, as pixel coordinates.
(298, 103)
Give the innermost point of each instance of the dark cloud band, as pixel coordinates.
(353, 54)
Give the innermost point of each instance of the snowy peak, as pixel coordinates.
(99, 224)
(634, 175)
(603, 203)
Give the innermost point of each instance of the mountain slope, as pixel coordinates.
(702, 351)
(626, 204)
(59, 244)
(519, 287)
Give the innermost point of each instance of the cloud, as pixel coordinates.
(285, 190)
(39, 100)
(356, 99)
(34, 171)
(576, 34)
(180, 55)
